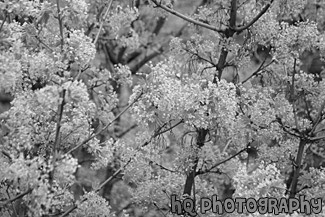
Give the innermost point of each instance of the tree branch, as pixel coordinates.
(296, 173)
(221, 162)
(6, 154)
(100, 131)
(261, 67)
(286, 129)
(57, 135)
(207, 26)
(126, 131)
(319, 117)
(16, 198)
(66, 213)
(316, 138)
(158, 132)
(162, 167)
(102, 22)
(4, 20)
(263, 11)
(228, 34)
(190, 178)
(60, 23)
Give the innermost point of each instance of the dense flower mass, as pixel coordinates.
(197, 101)
(80, 48)
(110, 108)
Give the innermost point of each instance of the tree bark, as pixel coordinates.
(296, 173)
(201, 134)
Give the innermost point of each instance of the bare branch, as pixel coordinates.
(205, 25)
(170, 128)
(233, 13)
(162, 167)
(6, 154)
(127, 131)
(221, 162)
(57, 135)
(158, 132)
(228, 34)
(16, 198)
(263, 11)
(46, 46)
(109, 124)
(261, 67)
(102, 22)
(286, 129)
(60, 23)
(296, 174)
(113, 176)
(66, 213)
(319, 117)
(3, 22)
(317, 138)
(293, 94)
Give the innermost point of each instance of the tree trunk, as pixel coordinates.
(191, 176)
(296, 173)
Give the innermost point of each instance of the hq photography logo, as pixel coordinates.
(250, 205)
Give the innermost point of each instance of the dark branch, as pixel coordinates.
(66, 213)
(159, 132)
(221, 162)
(57, 135)
(104, 128)
(213, 28)
(17, 197)
(263, 11)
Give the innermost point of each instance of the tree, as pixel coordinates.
(229, 87)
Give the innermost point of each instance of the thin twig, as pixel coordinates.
(60, 23)
(13, 207)
(113, 176)
(316, 138)
(286, 129)
(227, 145)
(66, 213)
(263, 11)
(45, 45)
(261, 67)
(319, 117)
(100, 131)
(102, 22)
(3, 22)
(6, 154)
(61, 106)
(319, 131)
(158, 132)
(57, 135)
(16, 198)
(162, 167)
(170, 128)
(293, 95)
(127, 131)
(221, 162)
(205, 25)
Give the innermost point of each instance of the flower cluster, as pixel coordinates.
(296, 39)
(93, 205)
(80, 48)
(10, 71)
(123, 75)
(266, 181)
(103, 153)
(199, 102)
(66, 169)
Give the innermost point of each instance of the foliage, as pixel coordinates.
(200, 112)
